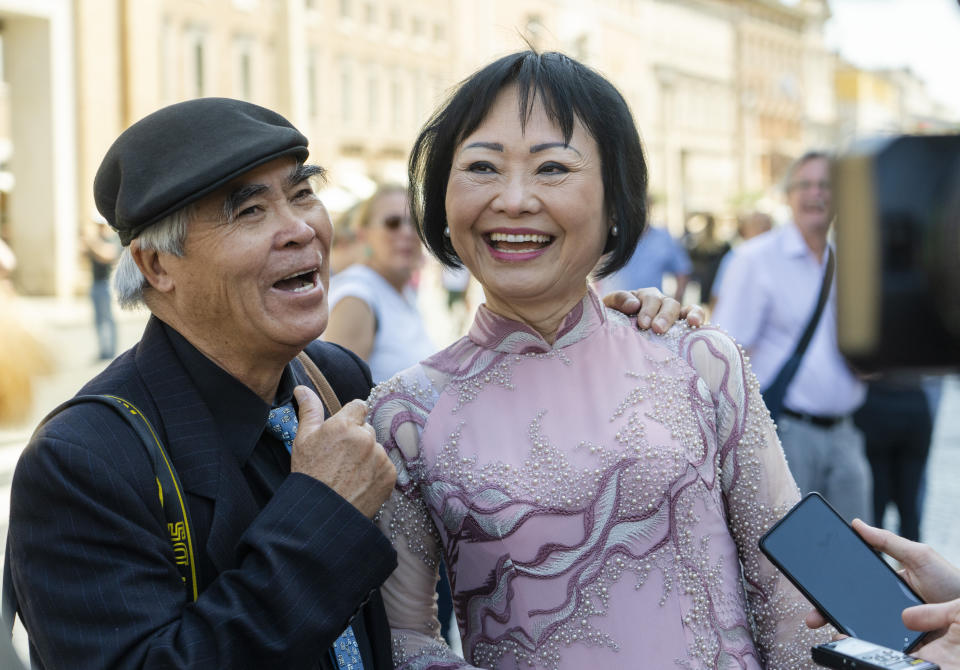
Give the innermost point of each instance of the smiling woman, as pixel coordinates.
(596, 492)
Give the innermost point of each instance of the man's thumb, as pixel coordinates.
(310, 407)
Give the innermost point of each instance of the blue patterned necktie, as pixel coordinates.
(282, 422)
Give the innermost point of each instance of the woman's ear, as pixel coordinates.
(151, 264)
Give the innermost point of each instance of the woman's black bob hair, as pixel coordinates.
(568, 90)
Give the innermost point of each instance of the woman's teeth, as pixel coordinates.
(525, 237)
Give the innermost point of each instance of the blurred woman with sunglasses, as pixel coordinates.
(373, 309)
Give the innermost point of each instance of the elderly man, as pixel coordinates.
(227, 245)
(768, 296)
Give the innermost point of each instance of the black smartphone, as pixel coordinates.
(853, 654)
(841, 575)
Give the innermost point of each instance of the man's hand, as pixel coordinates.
(342, 452)
(653, 307)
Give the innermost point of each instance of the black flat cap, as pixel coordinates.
(180, 153)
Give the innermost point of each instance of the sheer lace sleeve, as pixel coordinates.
(758, 490)
(398, 411)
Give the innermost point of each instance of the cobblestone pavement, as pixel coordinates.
(941, 526)
(66, 328)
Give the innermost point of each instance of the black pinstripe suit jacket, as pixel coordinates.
(94, 570)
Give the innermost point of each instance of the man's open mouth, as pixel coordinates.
(517, 243)
(299, 281)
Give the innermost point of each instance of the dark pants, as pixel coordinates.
(897, 425)
(103, 318)
(444, 603)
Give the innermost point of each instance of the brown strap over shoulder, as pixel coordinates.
(327, 395)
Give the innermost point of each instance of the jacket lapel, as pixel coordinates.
(205, 467)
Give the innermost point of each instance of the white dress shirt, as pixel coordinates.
(768, 293)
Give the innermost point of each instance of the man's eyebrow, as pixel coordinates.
(303, 172)
(553, 145)
(240, 195)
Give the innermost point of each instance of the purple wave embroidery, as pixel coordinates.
(605, 534)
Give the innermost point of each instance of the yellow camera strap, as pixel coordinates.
(169, 490)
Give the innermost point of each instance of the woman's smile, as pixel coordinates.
(517, 244)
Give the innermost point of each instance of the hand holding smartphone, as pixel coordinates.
(841, 575)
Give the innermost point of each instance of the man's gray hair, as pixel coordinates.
(167, 236)
(814, 154)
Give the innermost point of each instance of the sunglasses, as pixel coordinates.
(394, 222)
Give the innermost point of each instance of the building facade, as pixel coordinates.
(725, 92)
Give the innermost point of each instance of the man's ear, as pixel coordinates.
(151, 264)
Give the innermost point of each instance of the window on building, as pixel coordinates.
(243, 68)
(370, 12)
(346, 9)
(396, 19)
(168, 61)
(416, 26)
(439, 32)
(396, 101)
(196, 60)
(373, 97)
(420, 98)
(346, 91)
(313, 82)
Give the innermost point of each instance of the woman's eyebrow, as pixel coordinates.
(553, 145)
(493, 146)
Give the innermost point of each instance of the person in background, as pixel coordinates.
(705, 250)
(748, 227)
(596, 491)
(769, 291)
(373, 309)
(103, 250)
(22, 356)
(897, 424)
(935, 580)
(8, 263)
(346, 249)
(657, 254)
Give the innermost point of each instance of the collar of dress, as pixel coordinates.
(492, 331)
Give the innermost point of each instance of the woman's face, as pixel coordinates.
(525, 210)
(394, 247)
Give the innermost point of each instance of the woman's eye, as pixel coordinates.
(482, 167)
(552, 168)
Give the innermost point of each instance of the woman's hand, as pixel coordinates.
(652, 307)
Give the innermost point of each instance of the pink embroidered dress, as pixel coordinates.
(598, 501)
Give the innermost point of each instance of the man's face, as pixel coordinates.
(810, 197)
(252, 283)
